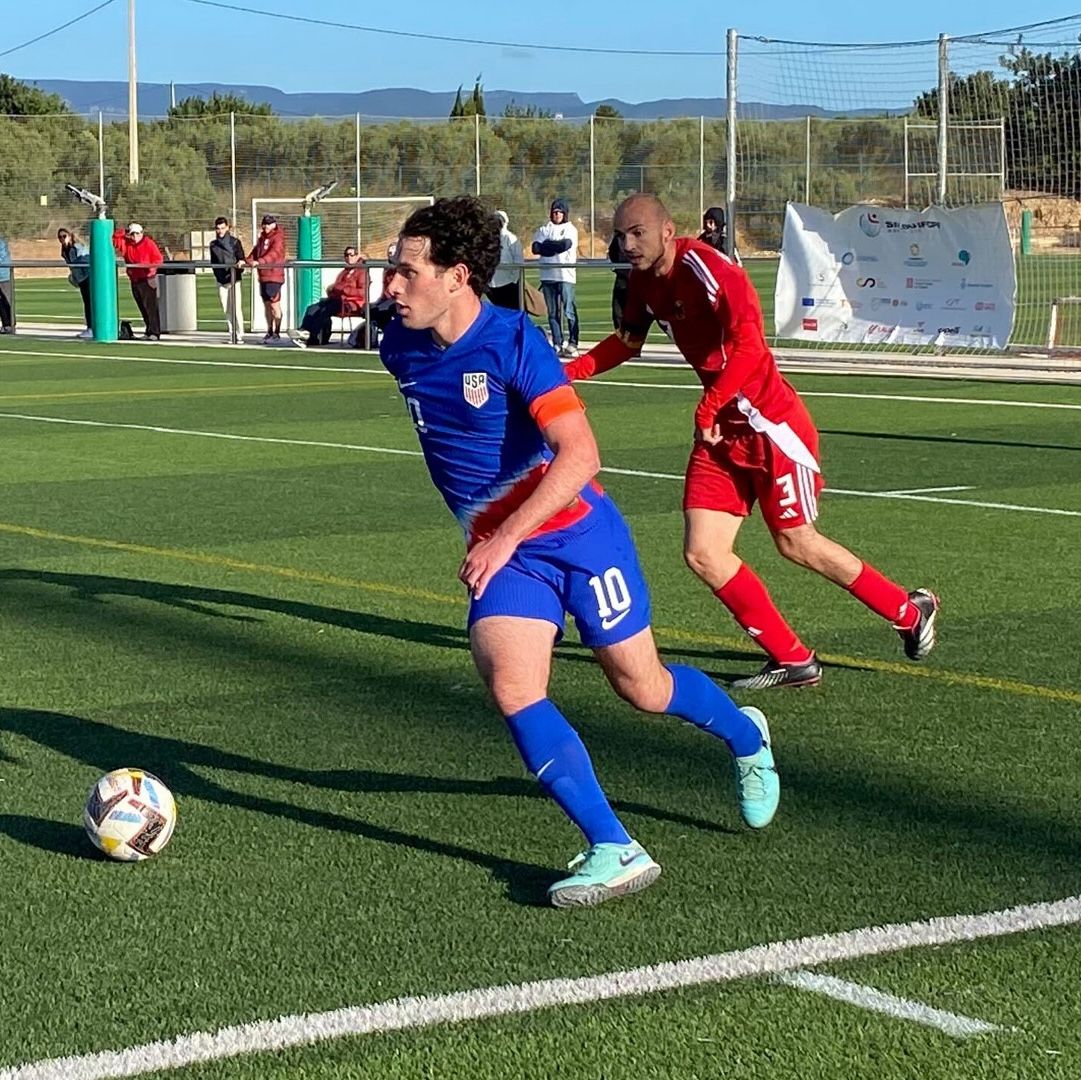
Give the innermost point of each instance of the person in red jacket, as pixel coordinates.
(346, 295)
(143, 257)
(269, 250)
(754, 442)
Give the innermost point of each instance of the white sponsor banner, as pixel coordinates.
(906, 277)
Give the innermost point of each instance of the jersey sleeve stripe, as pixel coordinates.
(703, 273)
(554, 404)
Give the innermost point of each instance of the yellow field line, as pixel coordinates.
(912, 671)
(176, 392)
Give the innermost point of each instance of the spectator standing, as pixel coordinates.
(504, 291)
(346, 295)
(143, 257)
(620, 285)
(227, 254)
(268, 255)
(715, 233)
(77, 256)
(556, 242)
(7, 315)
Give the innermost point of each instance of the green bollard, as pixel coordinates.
(103, 309)
(1026, 232)
(309, 286)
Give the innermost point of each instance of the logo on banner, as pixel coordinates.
(870, 224)
(848, 258)
(867, 282)
(475, 387)
(810, 324)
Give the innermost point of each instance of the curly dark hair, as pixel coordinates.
(459, 230)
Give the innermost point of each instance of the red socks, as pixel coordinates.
(749, 601)
(884, 598)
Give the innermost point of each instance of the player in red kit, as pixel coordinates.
(754, 442)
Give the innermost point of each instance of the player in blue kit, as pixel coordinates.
(509, 448)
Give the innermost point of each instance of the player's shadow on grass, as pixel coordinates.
(59, 837)
(98, 588)
(102, 745)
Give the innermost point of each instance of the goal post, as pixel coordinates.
(368, 222)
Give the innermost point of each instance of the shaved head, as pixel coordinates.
(641, 207)
(646, 232)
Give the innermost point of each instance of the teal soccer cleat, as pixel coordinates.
(605, 872)
(756, 777)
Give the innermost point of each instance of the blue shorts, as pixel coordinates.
(270, 291)
(589, 570)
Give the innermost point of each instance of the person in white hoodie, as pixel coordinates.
(556, 242)
(503, 291)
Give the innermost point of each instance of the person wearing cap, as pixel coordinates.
(503, 291)
(267, 256)
(556, 242)
(143, 257)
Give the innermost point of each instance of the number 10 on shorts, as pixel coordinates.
(613, 597)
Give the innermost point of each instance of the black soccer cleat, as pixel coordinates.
(920, 639)
(773, 674)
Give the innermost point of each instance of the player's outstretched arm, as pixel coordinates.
(614, 350)
(576, 462)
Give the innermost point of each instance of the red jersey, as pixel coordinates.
(708, 306)
(269, 248)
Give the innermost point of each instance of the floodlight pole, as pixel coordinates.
(133, 101)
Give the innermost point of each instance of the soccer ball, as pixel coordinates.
(130, 815)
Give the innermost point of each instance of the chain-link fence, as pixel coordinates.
(948, 122)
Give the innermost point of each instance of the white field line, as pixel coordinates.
(416, 1012)
(593, 382)
(195, 363)
(853, 396)
(865, 997)
(925, 491)
(416, 453)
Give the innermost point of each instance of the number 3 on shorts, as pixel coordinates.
(788, 486)
(613, 597)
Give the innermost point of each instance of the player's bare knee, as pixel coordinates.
(512, 695)
(713, 567)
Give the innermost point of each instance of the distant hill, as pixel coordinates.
(111, 98)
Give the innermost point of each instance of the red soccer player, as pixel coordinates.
(754, 442)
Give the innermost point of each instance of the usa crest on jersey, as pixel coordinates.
(475, 387)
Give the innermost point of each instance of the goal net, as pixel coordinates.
(370, 223)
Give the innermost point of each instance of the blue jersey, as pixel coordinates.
(478, 406)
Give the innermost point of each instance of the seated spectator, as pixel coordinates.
(143, 257)
(77, 256)
(504, 291)
(346, 295)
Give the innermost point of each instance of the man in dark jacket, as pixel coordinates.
(226, 252)
(715, 232)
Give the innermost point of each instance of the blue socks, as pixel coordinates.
(697, 699)
(553, 752)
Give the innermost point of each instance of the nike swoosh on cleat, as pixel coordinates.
(626, 860)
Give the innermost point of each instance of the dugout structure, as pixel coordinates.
(368, 222)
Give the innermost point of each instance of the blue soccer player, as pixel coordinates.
(508, 446)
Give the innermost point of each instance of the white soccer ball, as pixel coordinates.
(130, 814)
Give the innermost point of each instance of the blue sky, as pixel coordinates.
(184, 42)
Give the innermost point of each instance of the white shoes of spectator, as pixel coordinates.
(568, 352)
(85, 335)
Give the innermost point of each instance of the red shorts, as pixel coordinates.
(752, 467)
